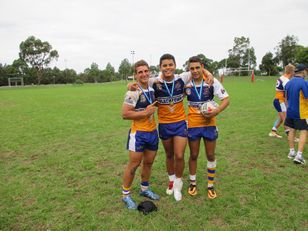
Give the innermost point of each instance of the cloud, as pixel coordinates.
(106, 31)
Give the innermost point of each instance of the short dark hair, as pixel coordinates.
(194, 59)
(139, 64)
(166, 56)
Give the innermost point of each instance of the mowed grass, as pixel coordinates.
(62, 156)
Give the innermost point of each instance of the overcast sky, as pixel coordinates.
(102, 31)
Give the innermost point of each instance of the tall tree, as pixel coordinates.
(37, 53)
(92, 73)
(286, 50)
(268, 64)
(109, 73)
(242, 55)
(301, 55)
(125, 69)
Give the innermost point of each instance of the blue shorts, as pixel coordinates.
(140, 141)
(209, 133)
(297, 124)
(173, 129)
(280, 107)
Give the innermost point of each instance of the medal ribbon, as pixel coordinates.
(150, 100)
(199, 94)
(172, 89)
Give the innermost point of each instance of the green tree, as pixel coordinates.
(109, 72)
(38, 54)
(125, 69)
(286, 50)
(268, 64)
(301, 55)
(242, 55)
(92, 73)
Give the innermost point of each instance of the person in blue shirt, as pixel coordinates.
(297, 112)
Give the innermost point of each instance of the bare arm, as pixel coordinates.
(129, 113)
(132, 86)
(210, 77)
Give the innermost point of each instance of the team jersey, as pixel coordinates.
(280, 88)
(297, 97)
(195, 118)
(138, 100)
(170, 106)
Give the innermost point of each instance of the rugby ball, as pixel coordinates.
(208, 106)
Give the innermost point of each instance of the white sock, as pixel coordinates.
(292, 150)
(211, 164)
(299, 154)
(172, 177)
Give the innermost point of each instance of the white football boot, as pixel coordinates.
(177, 189)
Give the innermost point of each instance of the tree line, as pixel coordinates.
(36, 55)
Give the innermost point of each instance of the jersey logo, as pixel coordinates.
(188, 91)
(142, 99)
(206, 91)
(159, 86)
(129, 100)
(178, 85)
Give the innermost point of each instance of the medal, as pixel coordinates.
(170, 93)
(199, 94)
(149, 98)
(171, 109)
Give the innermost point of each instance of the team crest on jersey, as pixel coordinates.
(177, 85)
(206, 91)
(129, 100)
(159, 86)
(223, 91)
(188, 91)
(142, 99)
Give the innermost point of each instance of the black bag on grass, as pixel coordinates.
(146, 207)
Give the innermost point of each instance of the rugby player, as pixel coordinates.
(202, 125)
(139, 106)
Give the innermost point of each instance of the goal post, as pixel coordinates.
(15, 81)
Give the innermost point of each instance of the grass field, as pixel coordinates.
(62, 155)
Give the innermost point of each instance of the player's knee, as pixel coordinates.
(193, 156)
(148, 164)
(179, 157)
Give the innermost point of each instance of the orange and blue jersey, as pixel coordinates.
(297, 97)
(280, 88)
(195, 118)
(139, 101)
(170, 102)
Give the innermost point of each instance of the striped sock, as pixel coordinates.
(144, 185)
(192, 179)
(125, 191)
(211, 169)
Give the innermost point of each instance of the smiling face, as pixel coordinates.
(142, 74)
(195, 70)
(167, 67)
